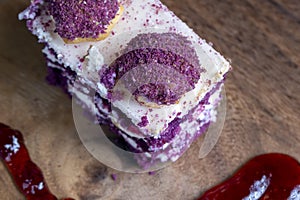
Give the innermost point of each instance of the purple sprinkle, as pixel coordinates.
(151, 173)
(113, 177)
(144, 122)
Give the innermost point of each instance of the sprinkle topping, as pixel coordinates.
(82, 18)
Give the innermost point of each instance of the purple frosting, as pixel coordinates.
(82, 18)
(162, 67)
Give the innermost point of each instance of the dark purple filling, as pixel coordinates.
(82, 18)
(60, 78)
(159, 67)
(56, 78)
(105, 104)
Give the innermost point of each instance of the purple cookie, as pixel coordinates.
(82, 18)
(157, 68)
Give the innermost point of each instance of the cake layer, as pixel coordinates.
(102, 109)
(89, 60)
(162, 149)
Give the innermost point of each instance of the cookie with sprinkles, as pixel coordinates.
(158, 68)
(84, 20)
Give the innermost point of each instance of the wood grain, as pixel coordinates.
(262, 39)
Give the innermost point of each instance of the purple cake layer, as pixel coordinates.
(56, 78)
(60, 76)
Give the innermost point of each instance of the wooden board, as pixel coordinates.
(262, 38)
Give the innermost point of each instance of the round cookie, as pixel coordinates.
(84, 20)
(157, 68)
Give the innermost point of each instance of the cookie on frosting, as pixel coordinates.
(158, 69)
(84, 20)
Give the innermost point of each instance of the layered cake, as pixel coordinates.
(135, 66)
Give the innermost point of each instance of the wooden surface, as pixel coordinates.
(262, 38)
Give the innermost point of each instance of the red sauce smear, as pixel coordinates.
(269, 176)
(27, 175)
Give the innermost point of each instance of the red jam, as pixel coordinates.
(270, 176)
(27, 175)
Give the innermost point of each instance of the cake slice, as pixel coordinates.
(138, 68)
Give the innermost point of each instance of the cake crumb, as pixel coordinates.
(151, 173)
(113, 177)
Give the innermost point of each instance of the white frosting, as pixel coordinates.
(295, 193)
(139, 17)
(258, 188)
(85, 99)
(94, 60)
